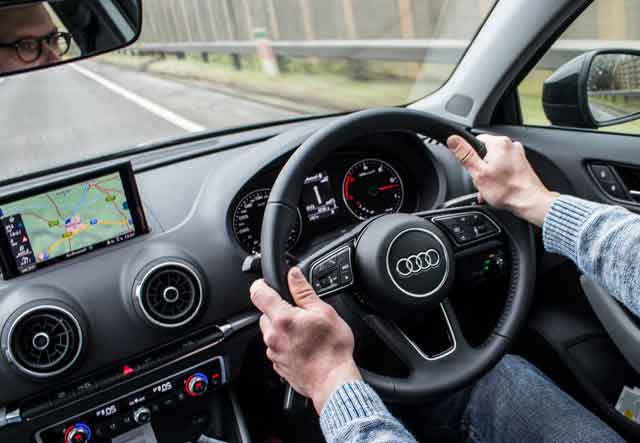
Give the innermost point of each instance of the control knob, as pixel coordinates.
(196, 385)
(142, 415)
(78, 433)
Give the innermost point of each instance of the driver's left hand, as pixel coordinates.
(310, 345)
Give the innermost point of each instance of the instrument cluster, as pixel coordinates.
(355, 183)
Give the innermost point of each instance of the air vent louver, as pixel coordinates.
(170, 294)
(45, 341)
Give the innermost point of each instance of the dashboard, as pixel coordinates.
(378, 175)
(146, 308)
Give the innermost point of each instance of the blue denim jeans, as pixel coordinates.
(514, 402)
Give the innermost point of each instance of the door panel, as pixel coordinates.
(583, 164)
(562, 157)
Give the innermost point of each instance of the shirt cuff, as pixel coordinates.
(564, 223)
(351, 401)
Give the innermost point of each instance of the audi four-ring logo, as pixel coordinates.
(418, 263)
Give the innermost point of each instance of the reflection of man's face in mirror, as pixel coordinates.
(28, 27)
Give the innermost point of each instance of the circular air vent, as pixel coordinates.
(44, 341)
(169, 294)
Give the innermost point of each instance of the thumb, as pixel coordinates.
(302, 292)
(465, 154)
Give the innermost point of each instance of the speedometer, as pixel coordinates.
(372, 187)
(247, 221)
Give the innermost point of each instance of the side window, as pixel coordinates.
(604, 24)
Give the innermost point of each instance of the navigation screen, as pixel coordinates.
(67, 221)
(318, 198)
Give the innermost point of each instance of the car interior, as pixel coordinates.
(144, 331)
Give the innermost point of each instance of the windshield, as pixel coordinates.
(208, 65)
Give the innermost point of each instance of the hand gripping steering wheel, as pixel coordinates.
(404, 263)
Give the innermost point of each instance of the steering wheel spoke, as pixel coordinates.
(409, 351)
(460, 343)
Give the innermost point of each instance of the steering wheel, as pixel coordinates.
(404, 263)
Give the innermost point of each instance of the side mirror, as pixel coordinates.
(596, 89)
(39, 34)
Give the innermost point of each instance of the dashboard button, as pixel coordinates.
(85, 388)
(216, 378)
(62, 397)
(113, 427)
(168, 402)
(142, 415)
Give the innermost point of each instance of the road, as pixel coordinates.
(602, 112)
(84, 110)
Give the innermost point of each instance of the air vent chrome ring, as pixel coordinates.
(44, 341)
(169, 294)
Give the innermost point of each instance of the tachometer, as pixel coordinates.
(372, 187)
(247, 221)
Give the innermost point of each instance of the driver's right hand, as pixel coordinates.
(505, 178)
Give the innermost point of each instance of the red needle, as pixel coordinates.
(386, 188)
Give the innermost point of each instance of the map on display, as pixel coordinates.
(67, 220)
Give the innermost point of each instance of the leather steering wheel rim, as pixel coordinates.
(281, 213)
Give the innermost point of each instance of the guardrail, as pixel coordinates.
(444, 51)
(635, 93)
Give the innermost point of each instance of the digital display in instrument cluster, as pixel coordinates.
(318, 197)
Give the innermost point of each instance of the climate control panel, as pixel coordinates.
(121, 415)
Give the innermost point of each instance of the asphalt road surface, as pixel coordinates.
(88, 109)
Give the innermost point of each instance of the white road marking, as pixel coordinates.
(148, 105)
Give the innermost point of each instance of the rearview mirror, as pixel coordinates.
(36, 35)
(597, 89)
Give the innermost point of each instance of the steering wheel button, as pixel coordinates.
(327, 266)
(480, 229)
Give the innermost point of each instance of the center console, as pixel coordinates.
(173, 393)
(162, 400)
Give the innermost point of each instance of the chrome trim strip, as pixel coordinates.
(444, 253)
(29, 372)
(224, 380)
(137, 292)
(465, 200)
(8, 418)
(442, 354)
